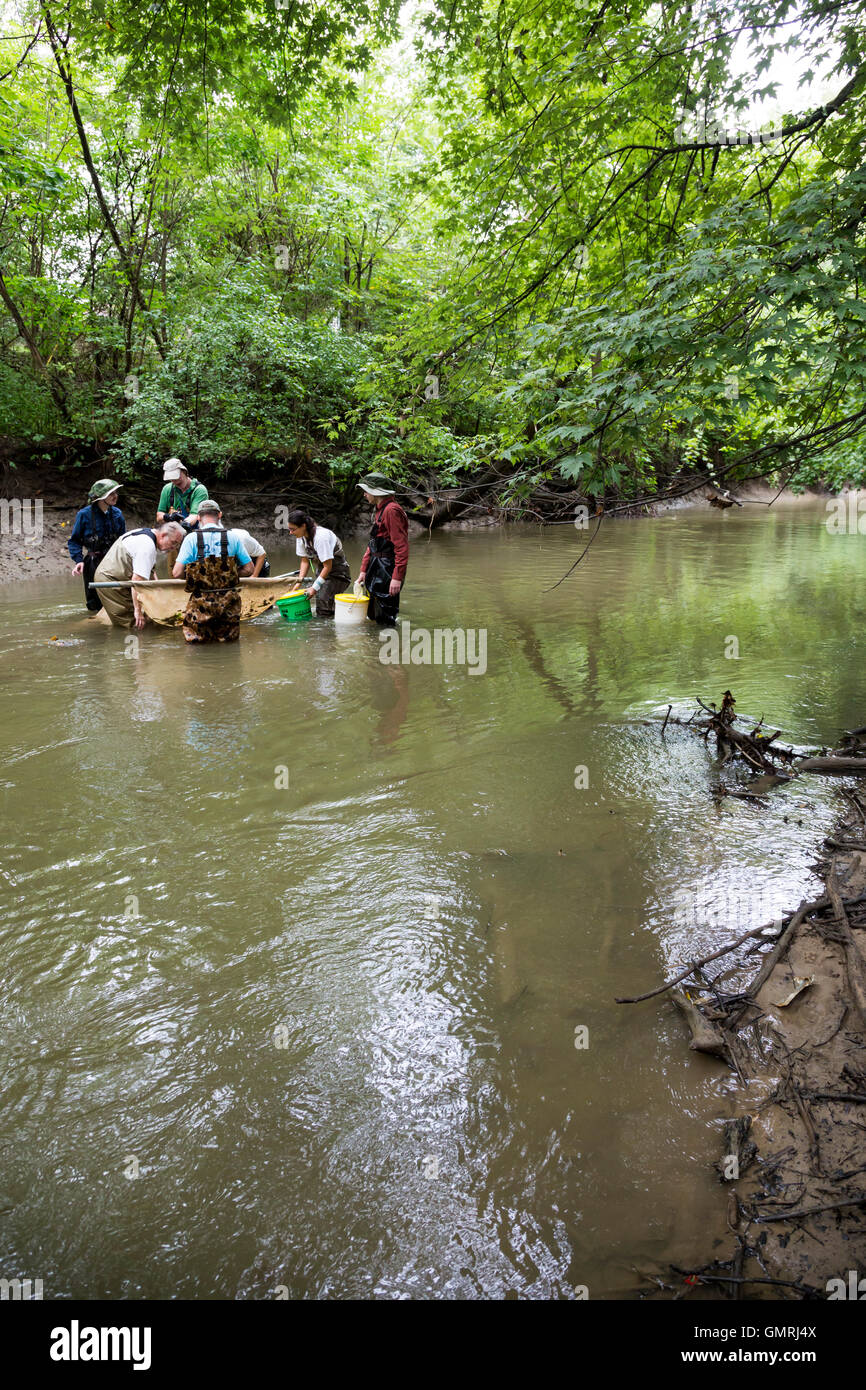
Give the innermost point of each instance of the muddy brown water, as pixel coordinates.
(323, 1039)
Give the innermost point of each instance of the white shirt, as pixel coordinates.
(250, 544)
(324, 543)
(142, 552)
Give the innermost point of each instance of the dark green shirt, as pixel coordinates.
(185, 502)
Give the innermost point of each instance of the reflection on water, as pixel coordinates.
(303, 939)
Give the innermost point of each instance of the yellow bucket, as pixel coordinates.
(349, 609)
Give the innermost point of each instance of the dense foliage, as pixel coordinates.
(530, 243)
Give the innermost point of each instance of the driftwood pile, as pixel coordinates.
(713, 1025)
(760, 752)
(809, 1168)
(764, 757)
(849, 758)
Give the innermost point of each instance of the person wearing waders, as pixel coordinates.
(320, 547)
(213, 561)
(180, 499)
(180, 496)
(132, 558)
(97, 527)
(383, 568)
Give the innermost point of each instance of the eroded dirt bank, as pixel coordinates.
(792, 1027)
(33, 535)
(799, 1210)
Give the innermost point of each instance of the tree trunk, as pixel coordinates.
(66, 79)
(55, 386)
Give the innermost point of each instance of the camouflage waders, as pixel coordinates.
(213, 610)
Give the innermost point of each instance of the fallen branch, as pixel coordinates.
(858, 808)
(855, 1096)
(812, 1211)
(793, 1091)
(736, 1144)
(706, 1037)
(854, 963)
(741, 796)
(781, 946)
(815, 906)
(840, 765)
(695, 965)
(754, 748)
(758, 1279)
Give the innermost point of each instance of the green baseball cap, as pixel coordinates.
(377, 485)
(103, 488)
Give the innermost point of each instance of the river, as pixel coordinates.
(310, 959)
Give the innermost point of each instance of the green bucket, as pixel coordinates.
(295, 607)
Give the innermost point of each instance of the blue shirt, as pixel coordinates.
(212, 546)
(95, 530)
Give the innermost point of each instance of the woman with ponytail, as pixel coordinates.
(320, 547)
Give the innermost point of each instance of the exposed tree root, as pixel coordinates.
(794, 1154)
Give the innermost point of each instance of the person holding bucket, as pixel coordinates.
(383, 568)
(318, 546)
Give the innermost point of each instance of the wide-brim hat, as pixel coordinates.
(377, 485)
(103, 488)
(172, 469)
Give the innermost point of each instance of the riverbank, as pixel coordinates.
(33, 544)
(33, 539)
(793, 1151)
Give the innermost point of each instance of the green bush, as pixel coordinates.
(242, 382)
(26, 408)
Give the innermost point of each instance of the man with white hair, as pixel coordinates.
(132, 558)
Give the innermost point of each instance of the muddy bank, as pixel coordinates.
(802, 1203)
(792, 1027)
(35, 546)
(33, 539)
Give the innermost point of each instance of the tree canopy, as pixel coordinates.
(559, 244)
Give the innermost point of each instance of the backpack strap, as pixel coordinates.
(177, 499)
(224, 540)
